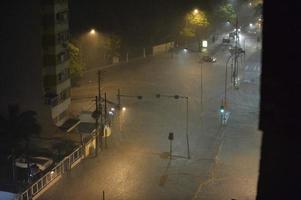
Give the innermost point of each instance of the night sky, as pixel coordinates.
(135, 20)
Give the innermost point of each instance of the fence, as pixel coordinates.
(162, 48)
(51, 177)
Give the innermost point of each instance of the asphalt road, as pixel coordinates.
(224, 159)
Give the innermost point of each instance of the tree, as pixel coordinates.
(195, 22)
(256, 2)
(112, 46)
(258, 9)
(225, 12)
(18, 128)
(76, 65)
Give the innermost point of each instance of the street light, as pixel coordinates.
(186, 98)
(195, 11)
(226, 78)
(92, 31)
(123, 108)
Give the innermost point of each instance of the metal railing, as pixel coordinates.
(61, 168)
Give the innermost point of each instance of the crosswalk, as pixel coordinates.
(253, 68)
(251, 73)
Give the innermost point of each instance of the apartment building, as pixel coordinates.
(56, 72)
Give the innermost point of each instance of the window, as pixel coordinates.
(63, 37)
(64, 75)
(62, 115)
(65, 94)
(62, 17)
(62, 57)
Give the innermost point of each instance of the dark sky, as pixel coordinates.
(132, 19)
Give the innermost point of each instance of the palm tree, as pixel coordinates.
(18, 128)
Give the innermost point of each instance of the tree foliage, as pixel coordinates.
(18, 126)
(225, 12)
(197, 19)
(194, 22)
(16, 129)
(256, 2)
(112, 46)
(77, 67)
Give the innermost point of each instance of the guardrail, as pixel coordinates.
(52, 176)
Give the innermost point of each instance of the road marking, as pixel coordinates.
(211, 173)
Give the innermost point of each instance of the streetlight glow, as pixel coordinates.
(112, 109)
(123, 108)
(92, 31)
(195, 11)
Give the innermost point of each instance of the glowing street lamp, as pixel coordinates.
(92, 31)
(123, 108)
(195, 11)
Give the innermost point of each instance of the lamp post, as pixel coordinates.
(96, 115)
(226, 78)
(186, 127)
(124, 108)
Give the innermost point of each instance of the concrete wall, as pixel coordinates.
(162, 48)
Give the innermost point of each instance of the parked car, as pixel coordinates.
(226, 41)
(209, 59)
(23, 166)
(41, 162)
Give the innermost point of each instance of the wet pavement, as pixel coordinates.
(136, 166)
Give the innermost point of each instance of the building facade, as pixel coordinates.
(56, 71)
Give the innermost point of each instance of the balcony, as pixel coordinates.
(51, 99)
(61, 107)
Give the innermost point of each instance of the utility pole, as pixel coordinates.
(236, 54)
(226, 81)
(100, 107)
(105, 118)
(187, 138)
(170, 138)
(118, 98)
(96, 116)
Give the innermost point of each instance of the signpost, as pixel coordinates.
(170, 138)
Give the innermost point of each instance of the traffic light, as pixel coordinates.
(222, 109)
